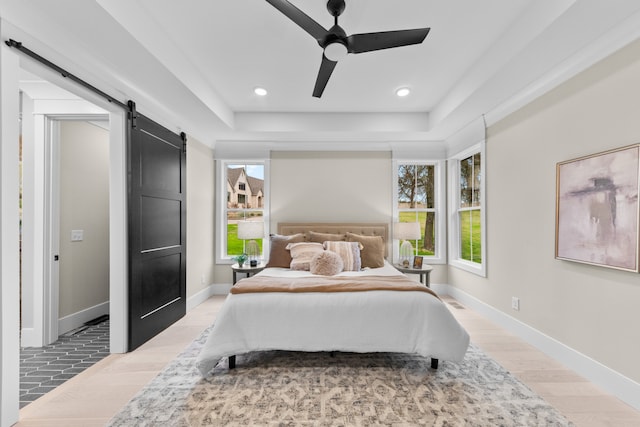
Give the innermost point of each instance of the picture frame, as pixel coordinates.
(597, 209)
(417, 262)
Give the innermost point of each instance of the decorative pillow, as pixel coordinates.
(279, 256)
(348, 251)
(372, 253)
(313, 236)
(301, 254)
(326, 263)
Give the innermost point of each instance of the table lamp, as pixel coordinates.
(406, 231)
(251, 230)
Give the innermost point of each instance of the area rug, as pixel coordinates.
(279, 388)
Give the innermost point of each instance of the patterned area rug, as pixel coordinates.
(315, 389)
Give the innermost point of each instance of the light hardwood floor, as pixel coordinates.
(93, 397)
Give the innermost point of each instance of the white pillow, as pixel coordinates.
(301, 254)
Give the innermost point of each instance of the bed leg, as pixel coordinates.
(232, 362)
(434, 363)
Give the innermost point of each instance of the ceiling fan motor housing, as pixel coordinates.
(335, 35)
(336, 7)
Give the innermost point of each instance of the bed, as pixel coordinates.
(302, 315)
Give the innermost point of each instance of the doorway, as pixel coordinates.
(65, 189)
(78, 225)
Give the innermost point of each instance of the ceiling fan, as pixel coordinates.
(335, 42)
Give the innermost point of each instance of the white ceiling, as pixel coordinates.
(193, 64)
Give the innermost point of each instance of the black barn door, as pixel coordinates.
(157, 228)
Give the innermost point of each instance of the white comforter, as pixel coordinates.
(371, 321)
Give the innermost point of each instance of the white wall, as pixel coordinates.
(200, 216)
(591, 309)
(84, 205)
(330, 186)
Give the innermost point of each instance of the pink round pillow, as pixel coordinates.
(326, 263)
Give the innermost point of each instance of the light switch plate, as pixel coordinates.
(77, 235)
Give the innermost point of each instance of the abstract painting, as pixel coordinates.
(597, 210)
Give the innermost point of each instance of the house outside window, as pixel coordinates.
(246, 201)
(467, 215)
(419, 198)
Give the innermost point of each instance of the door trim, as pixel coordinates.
(51, 289)
(45, 286)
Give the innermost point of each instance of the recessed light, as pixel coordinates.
(260, 91)
(403, 91)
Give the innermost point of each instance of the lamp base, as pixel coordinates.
(253, 251)
(406, 253)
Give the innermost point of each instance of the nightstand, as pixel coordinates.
(424, 272)
(246, 269)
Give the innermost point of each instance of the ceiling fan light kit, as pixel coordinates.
(335, 51)
(335, 42)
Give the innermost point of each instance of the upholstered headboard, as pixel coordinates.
(364, 228)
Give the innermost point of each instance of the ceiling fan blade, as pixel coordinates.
(303, 20)
(367, 42)
(326, 68)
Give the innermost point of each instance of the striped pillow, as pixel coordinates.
(348, 251)
(302, 253)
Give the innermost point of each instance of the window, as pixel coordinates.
(418, 189)
(245, 185)
(469, 209)
(467, 238)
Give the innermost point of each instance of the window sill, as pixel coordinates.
(471, 267)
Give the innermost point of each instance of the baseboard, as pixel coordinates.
(28, 338)
(609, 380)
(75, 320)
(221, 288)
(200, 297)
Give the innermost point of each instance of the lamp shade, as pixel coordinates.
(250, 230)
(407, 231)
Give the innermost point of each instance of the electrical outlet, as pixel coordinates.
(202, 279)
(515, 303)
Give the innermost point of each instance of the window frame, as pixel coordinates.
(221, 219)
(455, 209)
(439, 189)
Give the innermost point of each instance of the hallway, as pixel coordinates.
(42, 369)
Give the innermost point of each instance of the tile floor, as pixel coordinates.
(92, 397)
(42, 369)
